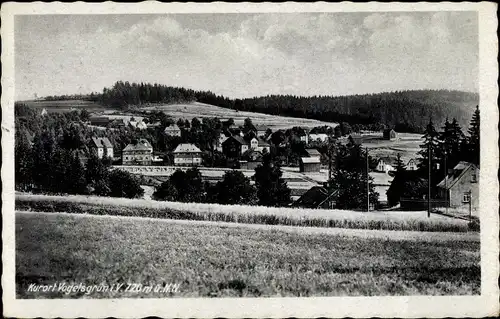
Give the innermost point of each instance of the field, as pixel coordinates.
(66, 105)
(200, 110)
(213, 260)
(386, 220)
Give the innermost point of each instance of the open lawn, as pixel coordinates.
(387, 220)
(213, 260)
(201, 110)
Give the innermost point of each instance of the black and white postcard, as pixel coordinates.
(250, 160)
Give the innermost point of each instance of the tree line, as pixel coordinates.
(405, 111)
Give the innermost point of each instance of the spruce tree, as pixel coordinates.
(400, 165)
(431, 142)
(473, 139)
(272, 189)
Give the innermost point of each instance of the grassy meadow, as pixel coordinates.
(201, 110)
(212, 260)
(381, 220)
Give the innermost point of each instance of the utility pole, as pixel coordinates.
(330, 166)
(429, 151)
(367, 182)
(445, 181)
(470, 204)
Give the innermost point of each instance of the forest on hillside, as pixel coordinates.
(405, 111)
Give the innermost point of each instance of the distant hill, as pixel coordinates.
(405, 111)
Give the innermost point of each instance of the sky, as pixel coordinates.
(243, 55)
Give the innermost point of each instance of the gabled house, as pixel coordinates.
(412, 165)
(187, 154)
(386, 164)
(102, 147)
(43, 112)
(460, 188)
(234, 146)
(389, 134)
(138, 153)
(172, 130)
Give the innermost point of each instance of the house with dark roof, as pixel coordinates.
(187, 154)
(460, 187)
(137, 153)
(102, 147)
(234, 146)
(389, 134)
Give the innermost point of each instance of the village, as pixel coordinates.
(245, 149)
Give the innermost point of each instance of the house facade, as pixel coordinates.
(412, 165)
(386, 164)
(234, 146)
(139, 153)
(173, 130)
(460, 188)
(102, 147)
(187, 154)
(389, 134)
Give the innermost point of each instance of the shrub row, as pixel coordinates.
(70, 206)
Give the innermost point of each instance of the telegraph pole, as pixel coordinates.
(445, 182)
(367, 182)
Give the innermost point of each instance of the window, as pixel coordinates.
(474, 177)
(466, 197)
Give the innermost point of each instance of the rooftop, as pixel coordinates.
(187, 148)
(141, 144)
(102, 142)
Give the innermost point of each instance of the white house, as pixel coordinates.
(187, 154)
(386, 164)
(412, 165)
(258, 144)
(102, 147)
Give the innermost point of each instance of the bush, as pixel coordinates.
(474, 225)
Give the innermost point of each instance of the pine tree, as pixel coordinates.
(76, 176)
(431, 142)
(23, 160)
(349, 181)
(474, 138)
(272, 189)
(400, 165)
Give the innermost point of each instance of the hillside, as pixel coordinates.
(201, 110)
(406, 111)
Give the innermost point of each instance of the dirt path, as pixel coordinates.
(363, 233)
